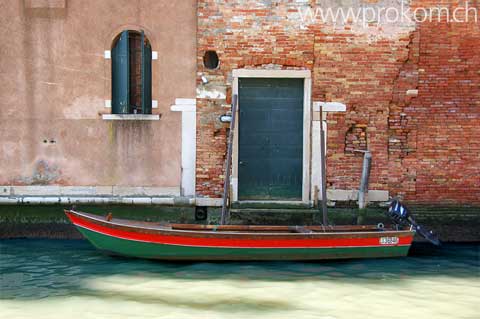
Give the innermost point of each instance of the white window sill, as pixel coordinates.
(131, 117)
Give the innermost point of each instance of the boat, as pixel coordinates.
(196, 242)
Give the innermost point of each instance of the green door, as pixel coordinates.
(270, 139)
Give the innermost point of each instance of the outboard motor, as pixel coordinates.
(401, 215)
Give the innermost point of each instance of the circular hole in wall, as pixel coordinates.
(210, 60)
(201, 213)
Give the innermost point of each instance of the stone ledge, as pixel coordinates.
(329, 106)
(352, 195)
(88, 191)
(204, 201)
(131, 117)
(70, 200)
(45, 4)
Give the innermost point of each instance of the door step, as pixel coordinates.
(274, 210)
(270, 205)
(275, 216)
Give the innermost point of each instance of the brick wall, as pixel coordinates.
(211, 141)
(244, 34)
(425, 146)
(433, 143)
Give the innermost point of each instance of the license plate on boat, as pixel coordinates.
(389, 240)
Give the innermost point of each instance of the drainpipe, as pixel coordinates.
(363, 190)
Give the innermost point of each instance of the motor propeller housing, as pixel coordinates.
(401, 215)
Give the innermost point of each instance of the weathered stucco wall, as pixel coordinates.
(55, 81)
(424, 143)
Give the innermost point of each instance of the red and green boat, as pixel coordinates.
(240, 242)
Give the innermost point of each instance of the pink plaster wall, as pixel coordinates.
(55, 80)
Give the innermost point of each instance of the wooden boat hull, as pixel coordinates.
(154, 241)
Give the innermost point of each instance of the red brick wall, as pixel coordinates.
(211, 141)
(434, 137)
(242, 37)
(360, 73)
(425, 148)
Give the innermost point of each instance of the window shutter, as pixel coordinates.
(146, 76)
(120, 75)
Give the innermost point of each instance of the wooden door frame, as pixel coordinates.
(307, 109)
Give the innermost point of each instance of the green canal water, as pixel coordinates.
(70, 279)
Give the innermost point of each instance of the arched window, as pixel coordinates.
(131, 73)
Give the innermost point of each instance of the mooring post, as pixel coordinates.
(362, 192)
(226, 185)
(323, 165)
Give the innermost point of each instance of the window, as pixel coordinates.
(210, 60)
(131, 73)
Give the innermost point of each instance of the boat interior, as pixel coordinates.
(239, 228)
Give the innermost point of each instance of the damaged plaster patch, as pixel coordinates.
(83, 107)
(44, 173)
(212, 92)
(9, 150)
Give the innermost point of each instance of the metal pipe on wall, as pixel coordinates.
(363, 190)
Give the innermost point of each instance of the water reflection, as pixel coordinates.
(51, 278)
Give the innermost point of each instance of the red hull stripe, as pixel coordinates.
(235, 243)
